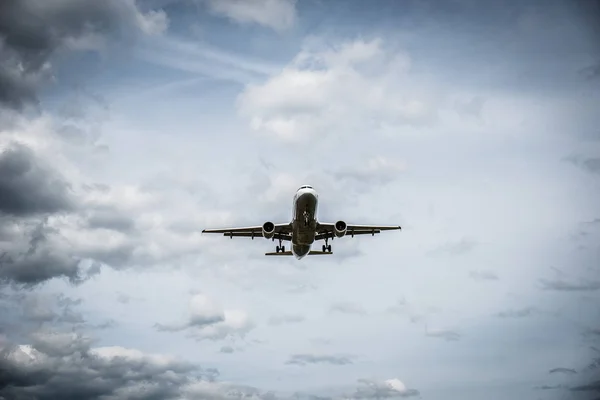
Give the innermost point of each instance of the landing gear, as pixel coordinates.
(326, 247)
(280, 247)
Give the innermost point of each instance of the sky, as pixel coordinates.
(127, 127)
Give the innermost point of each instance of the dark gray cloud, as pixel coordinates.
(32, 31)
(483, 275)
(29, 187)
(348, 308)
(589, 164)
(63, 365)
(591, 72)
(589, 387)
(565, 286)
(562, 370)
(549, 387)
(305, 359)
(37, 255)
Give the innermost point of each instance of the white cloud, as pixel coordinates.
(357, 86)
(208, 320)
(389, 388)
(276, 14)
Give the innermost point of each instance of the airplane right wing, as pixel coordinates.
(328, 230)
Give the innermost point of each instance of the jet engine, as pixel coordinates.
(340, 229)
(268, 230)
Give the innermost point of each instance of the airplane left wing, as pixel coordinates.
(327, 230)
(280, 231)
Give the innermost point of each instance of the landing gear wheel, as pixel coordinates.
(277, 249)
(324, 248)
(329, 248)
(283, 249)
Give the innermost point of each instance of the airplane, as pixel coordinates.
(304, 229)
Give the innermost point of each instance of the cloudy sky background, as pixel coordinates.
(128, 127)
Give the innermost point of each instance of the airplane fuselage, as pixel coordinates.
(304, 220)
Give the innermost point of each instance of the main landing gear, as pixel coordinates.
(280, 247)
(326, 247)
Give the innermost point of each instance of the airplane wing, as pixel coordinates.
(327, 230)
(282, 231)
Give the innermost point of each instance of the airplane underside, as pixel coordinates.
(304, 229)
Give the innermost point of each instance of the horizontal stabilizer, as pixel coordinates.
(281, 253)
(289, 253)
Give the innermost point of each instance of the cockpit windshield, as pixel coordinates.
(305, 187)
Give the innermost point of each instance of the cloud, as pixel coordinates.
(446, 334)
(376, 170)
(65, 366)
(24, 312)
(348, 308)
(562, 370)
(286, 319)
(209, 321)
(391, 388)
(28, 185)
(32, 32)
(276, 14)
(589, 164)
(46, 356)
(65, 225)
(565, 286)
(591, 72)
(590, 387)
(549, 387)
(520, 313)
(483, 275)
(472, 107)
(226, 350)
(353, 87)
(38, 254)
(305, 359)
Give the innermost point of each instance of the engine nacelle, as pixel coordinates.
(268, 230)
(340, 229)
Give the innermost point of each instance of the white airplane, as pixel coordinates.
(304, 229)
